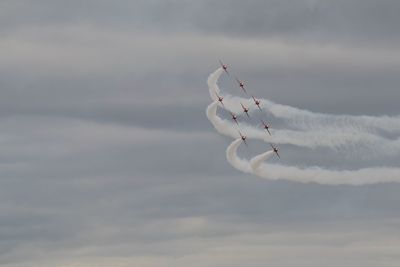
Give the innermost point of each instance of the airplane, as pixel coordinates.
(257, 102)
(243, 138)
(234, 117)
(266, 126)
(275, 150)
(245, 110)
(241, 84)
(224, 67)
(220, 98)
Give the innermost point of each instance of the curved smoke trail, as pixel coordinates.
(320, 175)
(234, 160)
(311, 174)
(311, 130)
(376, 145)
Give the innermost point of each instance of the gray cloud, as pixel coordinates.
(317, 20)
(107, 156)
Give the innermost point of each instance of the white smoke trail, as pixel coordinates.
(336, 139)
(320, 175)
(311, 121)
(310, 174)
(212, 80)
(234, 160)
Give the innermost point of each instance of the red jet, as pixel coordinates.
(257, 102)
(245, 110)
(220, 98)
(234, 117)
(243, 138)
(275, 150)
(224, 67)
(241, 84)
(266, 126)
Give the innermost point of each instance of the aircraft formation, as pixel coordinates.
(257, 104)
(358, 138)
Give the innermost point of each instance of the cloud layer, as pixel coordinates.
(108, 159)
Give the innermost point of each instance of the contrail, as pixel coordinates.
(234, 160)
(311, 174)
(364, 135)
(320, 175)
(337, 139)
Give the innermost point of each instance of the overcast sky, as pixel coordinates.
(107, 157)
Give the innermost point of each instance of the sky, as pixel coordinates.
(108, 158)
